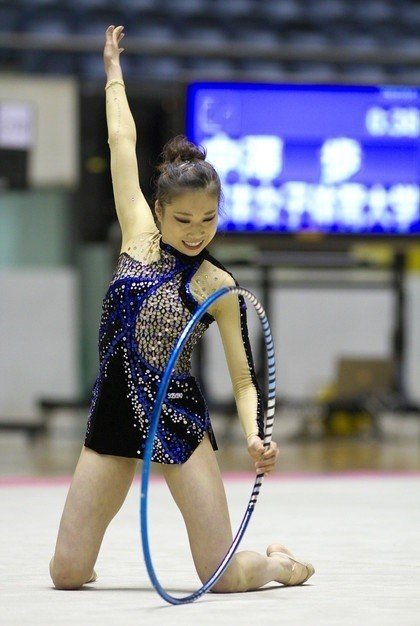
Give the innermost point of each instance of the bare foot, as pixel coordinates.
(293, 571)
(93, 578)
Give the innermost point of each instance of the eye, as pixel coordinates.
(209, 219)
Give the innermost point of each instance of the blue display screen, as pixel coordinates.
(333, 159)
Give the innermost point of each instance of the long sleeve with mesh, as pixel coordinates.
(133, 211)
(231, 318)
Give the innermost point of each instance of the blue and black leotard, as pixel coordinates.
(153, 294)
(154, 291)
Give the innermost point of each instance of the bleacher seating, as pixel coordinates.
(155, 68)
(307, 26)
(269, 71)
(216, 69)
(204, 29)
(9, 18)
(281, 14)
(49, 21)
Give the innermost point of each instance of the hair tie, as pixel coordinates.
(185, 163)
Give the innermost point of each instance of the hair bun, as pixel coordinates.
(180, 149)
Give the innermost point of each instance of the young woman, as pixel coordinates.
(161, 277)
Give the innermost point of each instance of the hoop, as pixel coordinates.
(269, 421)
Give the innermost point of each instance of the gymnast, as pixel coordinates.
(161, 277)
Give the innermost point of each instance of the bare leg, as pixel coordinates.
(198, 491)
(97, 492)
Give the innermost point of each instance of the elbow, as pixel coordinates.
(113, 139)
(125, 132)
(243, 389)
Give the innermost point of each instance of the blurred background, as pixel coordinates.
(344, 312)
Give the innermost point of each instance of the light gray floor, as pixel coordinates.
(361, 533)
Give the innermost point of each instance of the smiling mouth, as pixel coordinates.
(193, 245)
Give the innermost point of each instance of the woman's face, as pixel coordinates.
(191, 218)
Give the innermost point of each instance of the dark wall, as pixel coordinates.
(157, 119)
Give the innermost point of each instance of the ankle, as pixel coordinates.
(283, 567)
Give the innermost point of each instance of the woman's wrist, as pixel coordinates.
(114, 81)
(114, 72)
(251, 435)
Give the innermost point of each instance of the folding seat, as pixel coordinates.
(156, 68)
(407, 43)
(92, 24)
(261, 70)
(204, 30)
(49, 63)
(326, 13)
(95, 21)
(408, 19)
(10, 17)
(324, 72)
(365, 73)
(152, 27)
(407, 74)
(88, 5)
(263, 37)
(280, 13)
(38, 4)
(53, 23)
(233, 9)
(358, 40)
(135, 5)
(308, 40)
(179, 10)
(91, 65)
(254, 30)
(212, 69)
(374, 11)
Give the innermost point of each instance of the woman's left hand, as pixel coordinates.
(265, 460)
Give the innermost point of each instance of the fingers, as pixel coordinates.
(113, 37)
(265, 459)
(118, 31)
(268, 460)
(272, 451)
(114, 33)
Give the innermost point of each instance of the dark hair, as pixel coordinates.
(184, 168)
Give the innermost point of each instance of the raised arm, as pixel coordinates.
(134, 214)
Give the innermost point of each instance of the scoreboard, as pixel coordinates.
(332, 159)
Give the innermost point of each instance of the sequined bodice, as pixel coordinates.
(154, 292)
(147, 306)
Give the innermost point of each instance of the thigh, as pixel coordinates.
(198, 490)
(98, 489)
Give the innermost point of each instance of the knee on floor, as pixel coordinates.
(229, 583)
(66, 576)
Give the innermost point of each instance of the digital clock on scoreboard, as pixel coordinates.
(333, 159)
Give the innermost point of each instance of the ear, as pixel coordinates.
(158, 210)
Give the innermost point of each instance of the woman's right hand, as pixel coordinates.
(112, 51)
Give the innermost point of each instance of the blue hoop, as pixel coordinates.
(269, 421)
